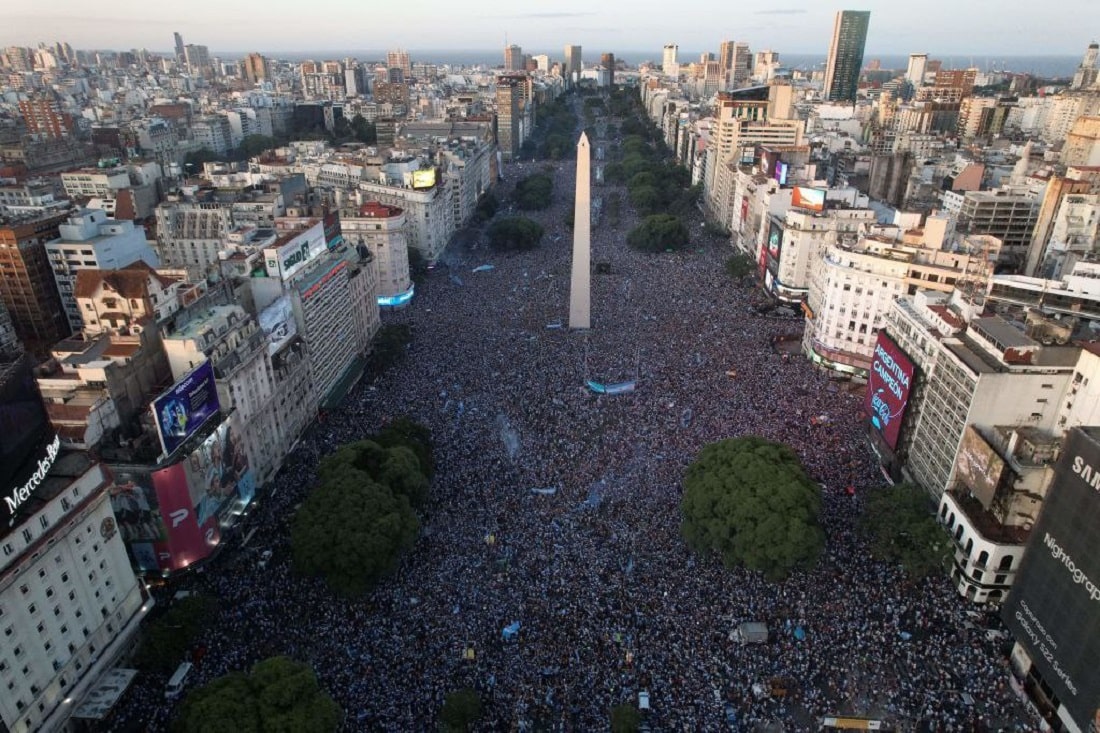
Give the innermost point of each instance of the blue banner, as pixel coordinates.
(618, 388)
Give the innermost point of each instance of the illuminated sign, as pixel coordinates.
(283, 262)
(399, 299)
(979, 467)
(808, 198)
(22, 493)
(424, 178)
(186, 407)
(888, 388)
(1053, 609)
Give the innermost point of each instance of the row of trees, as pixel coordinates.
(750, 502)
(554, 132)
(354, 527)
(534, 193)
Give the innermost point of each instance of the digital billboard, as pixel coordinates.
(294, 254)
(782, 171)
(808, 198)
(774, 240)
(334, 235)
(186, 542)
(424, 178)
(1053, 609)
(888, 388)
(216, 471)
(137, 511)
(979, 467)
(186, 407)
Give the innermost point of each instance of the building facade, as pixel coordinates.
(844, 62)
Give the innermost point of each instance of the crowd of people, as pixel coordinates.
(558, 508)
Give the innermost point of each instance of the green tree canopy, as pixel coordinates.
(749, 500)
(658, 233)
(404, 431)
(514, 234)
(900, 523)
(279, 695)
(738, 266)
(625, 718)
(356, 524)
(391, 343)
(167, 639)
(646, 199)
(534, 193)
(461, 709)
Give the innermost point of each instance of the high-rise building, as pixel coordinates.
(88, 241)
(27, 287)
(669, 64)
(399, 59)
(1087, 72)
(740, 73)
(918, 64)
(845, 60)
(765, 64)
(180, 53)
(509, 115)
(572, 65)
(198, 58)
(607, 61)
(725, 63)
(44, 119)
(256, 68)
(513, 58)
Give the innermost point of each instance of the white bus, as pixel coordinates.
(175, 684)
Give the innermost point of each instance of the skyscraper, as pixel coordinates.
(725, 63)
(669, 64)
(572, 65)
(845, 60)
(513, 58)
(607, 61)
(918, 64)
(740, 73)
(399, 59)
(179, 48)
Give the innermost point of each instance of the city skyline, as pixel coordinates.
(340, 24)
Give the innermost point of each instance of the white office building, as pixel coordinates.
(90, 240)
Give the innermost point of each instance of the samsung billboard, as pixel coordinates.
(1053, 609)
(186, 407)
(888, 387)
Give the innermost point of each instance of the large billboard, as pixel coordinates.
(187, 541)
(216, 470)
(888, 388)
(979, 467)
(186, 407)
(277, 321)
(775, 240)
(808, 198)
(137, 512)
(1053, 609)
(334, 235)
(24, 431)
(295, 253)
(423, 178)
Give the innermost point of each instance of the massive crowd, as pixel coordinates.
(558, 508)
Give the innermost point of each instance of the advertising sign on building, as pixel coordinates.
(978, 467)
(186, 407)
(214, 471)
(25, 434)
(277, 321)
(424, 178)
(334, 235)
(888, 387)
(186, 543)
(137, 512)
(297, 252)
(808, 198)
(1053, 609)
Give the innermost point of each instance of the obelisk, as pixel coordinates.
(580, 288)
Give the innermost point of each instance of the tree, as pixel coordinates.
(396, 467)
(363, 131)
(514, 234)
(487, 207)
(391, 343)
(625, 718)
(646, 199)
(461, 709)
(534, 193)
(901, 525)
(657, 233)
(253, 145)
(738, 266)
(418, 266)
(749, 500)
(167, 640)
(279, 695)
(193, 161)
(405, 431)
(353, 529)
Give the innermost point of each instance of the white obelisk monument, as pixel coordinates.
(580, 289)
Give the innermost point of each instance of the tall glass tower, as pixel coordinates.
(845, 61)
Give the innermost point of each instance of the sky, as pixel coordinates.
(978, 27)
